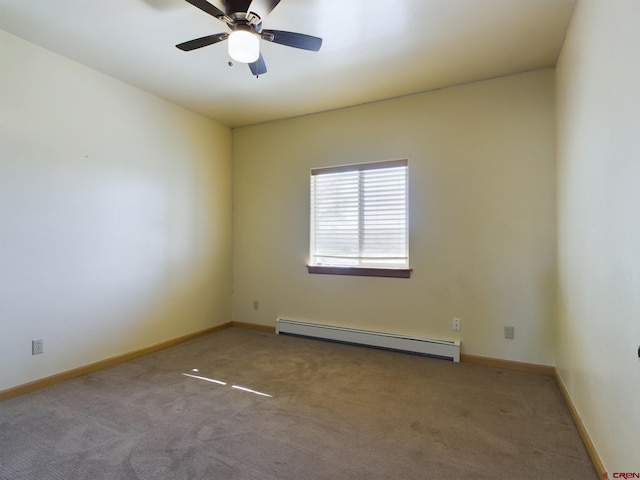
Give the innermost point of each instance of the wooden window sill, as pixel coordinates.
(361, 271)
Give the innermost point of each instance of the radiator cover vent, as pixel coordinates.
(445, 349)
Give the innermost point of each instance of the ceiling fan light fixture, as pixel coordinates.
(244, 46)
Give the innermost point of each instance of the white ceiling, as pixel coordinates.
(372, 49)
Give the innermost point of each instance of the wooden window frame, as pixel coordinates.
(365, 271)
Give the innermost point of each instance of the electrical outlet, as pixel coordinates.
(509, 333)
(37, 347)
(256, 304)
(455, 324)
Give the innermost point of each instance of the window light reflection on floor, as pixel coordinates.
(206, 379)
(220, 382)
(245, 389)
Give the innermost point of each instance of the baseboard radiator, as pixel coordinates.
(445, 349)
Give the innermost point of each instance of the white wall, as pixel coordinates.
(115, 216)
(598, 92)
(482, 215)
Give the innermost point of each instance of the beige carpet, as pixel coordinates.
(306, 409)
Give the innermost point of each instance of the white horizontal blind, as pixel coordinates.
(359, 215)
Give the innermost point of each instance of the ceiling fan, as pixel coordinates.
(244, 18)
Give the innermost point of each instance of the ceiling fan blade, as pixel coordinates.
(207, 7)
(258, 67)
(262, 8)
(202, 42)
(292, 39)
(235, 6)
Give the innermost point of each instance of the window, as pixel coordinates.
(359, 220)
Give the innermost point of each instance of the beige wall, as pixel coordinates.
(598, 333)
(482, 235)
(115, 216)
